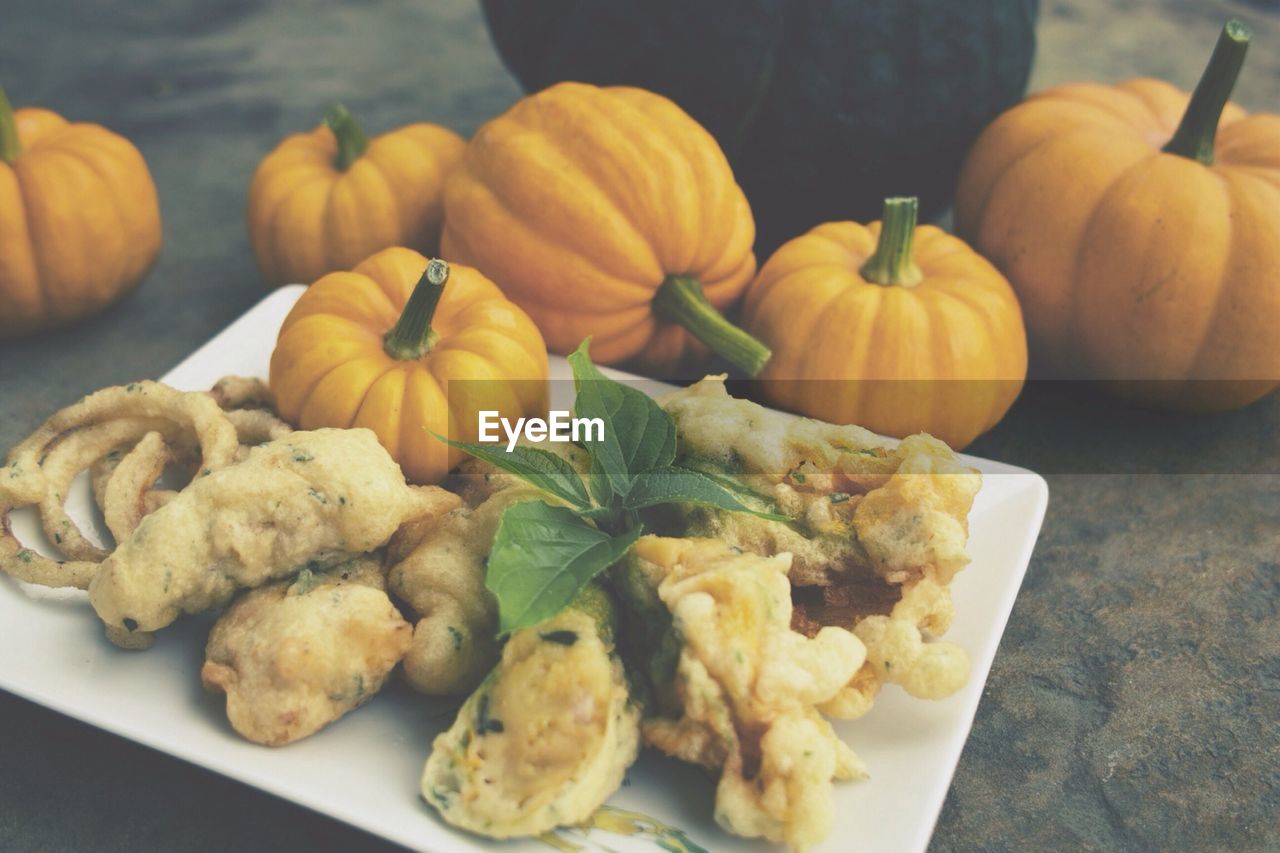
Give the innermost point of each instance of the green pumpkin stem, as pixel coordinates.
(893, 262)
(351, 138)
(680, 300)
(1196, 132)
(412, 337)
(10, 147)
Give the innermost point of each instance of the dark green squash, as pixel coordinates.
(824, 108)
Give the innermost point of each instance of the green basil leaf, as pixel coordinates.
(736, 486)
(682, 485)
(542, 558)
(638, 434)
(541, 468)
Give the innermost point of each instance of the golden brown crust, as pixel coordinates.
(296, 655)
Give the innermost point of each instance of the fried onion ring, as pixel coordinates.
(100, 474)
(22, 486)
(24, 483)
(195, 411)
(257, 426)
(152, 498)
(133, 497)
(128, 495)
(68, 455)
(242, 392)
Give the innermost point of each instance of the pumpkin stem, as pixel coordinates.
(350, 136)
(680, 300)
(1195, 135)
(893, 262)
(412, 336)
(10, 147)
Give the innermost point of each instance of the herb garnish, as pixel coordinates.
(543, 555)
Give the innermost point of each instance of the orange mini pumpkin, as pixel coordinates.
(79, 219)
(610, 213)
(408, 348)
(1139, 228)
(326, 200)
(897, 329)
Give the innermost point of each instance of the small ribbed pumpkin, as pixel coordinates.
(324, 201)
(610, 213)
(408, 348)
(897, 329)
(1141, 230)
(79, 219)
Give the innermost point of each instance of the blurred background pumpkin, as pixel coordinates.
(823, 109)
(79, 219)
(325, 200)
(1140, 227)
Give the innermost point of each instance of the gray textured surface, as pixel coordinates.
(1135, 703)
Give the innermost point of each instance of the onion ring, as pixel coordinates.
(100, 474)
(151, 498)
(68, 455)
(21, 486)
(242, 392)
(128, 495)
(194, 410)
(257, 426)
(250, 406)
(23, 483)
(123, 479)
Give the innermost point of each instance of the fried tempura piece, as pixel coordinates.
(442, 581)
(294, 656)
(859, 502)
(735, 689)
(902, 649)
(312, 498)
(878, 532)
(548, 735)
(438, 570)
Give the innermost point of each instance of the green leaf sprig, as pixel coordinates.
(543, 555)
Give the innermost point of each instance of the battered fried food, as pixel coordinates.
(441, 579)
(311, 498)
(878, 531)
(438, 570)
(71, 453)
(242, 392)
(22, 486)
(251, 407)
(735, 689)
(548, 735)
(193, 411)
(858, 501)
(134, 496)
(128, 495)
(256, 426)
(124, 479)
(23, 481)
(902, 648)
(295, 655)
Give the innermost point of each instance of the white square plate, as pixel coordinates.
(365, 769)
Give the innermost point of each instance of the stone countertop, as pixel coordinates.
(1135, 699)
